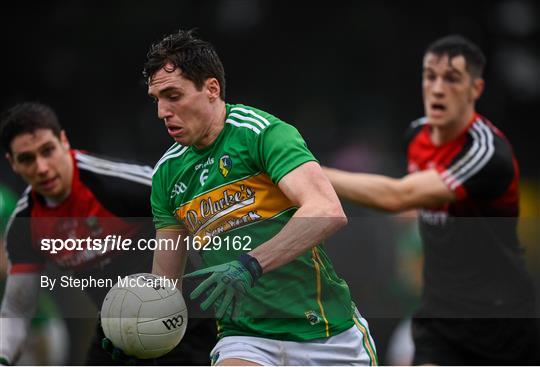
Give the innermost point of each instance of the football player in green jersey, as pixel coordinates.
(240, 186)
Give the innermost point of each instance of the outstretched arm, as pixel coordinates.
(416, 190)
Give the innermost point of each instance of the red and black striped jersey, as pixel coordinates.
(107, 197)
(473, 259)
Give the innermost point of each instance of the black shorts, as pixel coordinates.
(193, 350)
(480, 341)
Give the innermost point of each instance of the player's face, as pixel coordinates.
(44, 162)
(449, 90)
(188, 112)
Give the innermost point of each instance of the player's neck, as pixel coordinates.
(53, 202)
(215, 127)
(443, 134)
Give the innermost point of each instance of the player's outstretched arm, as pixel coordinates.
(170, 262)
(319, 215)
(18, 308)
(416, 190)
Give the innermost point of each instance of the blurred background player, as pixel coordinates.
(238, 171)
(48, 340)
(478, 302)
(73, 194)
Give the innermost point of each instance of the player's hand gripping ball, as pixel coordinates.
(142, 317)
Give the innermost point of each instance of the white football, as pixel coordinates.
(144, 316)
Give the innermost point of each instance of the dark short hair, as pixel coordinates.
(457, 45)
(196, 59)
(27, 118)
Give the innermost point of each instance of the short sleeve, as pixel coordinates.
(281, 149)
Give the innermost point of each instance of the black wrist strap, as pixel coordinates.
(252, 265)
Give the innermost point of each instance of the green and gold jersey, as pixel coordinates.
(227, 197)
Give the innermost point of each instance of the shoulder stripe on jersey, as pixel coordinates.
(246, 118)
(252, 113)
(24, 199)
(476, 150)
(22, 204)
(172, 150)
(127, 168)
(470, 154)
(120, 174)
(473, 167)
(418, 122)
(246, 125)
(475, 159)
(169, 156)
(175, 146)
(136, 169)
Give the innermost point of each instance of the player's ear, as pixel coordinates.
(478, 88)
(213, 88)
(64, 140)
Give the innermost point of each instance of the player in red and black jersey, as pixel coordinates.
(472, 240)
(478, 302)
(74, 194)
